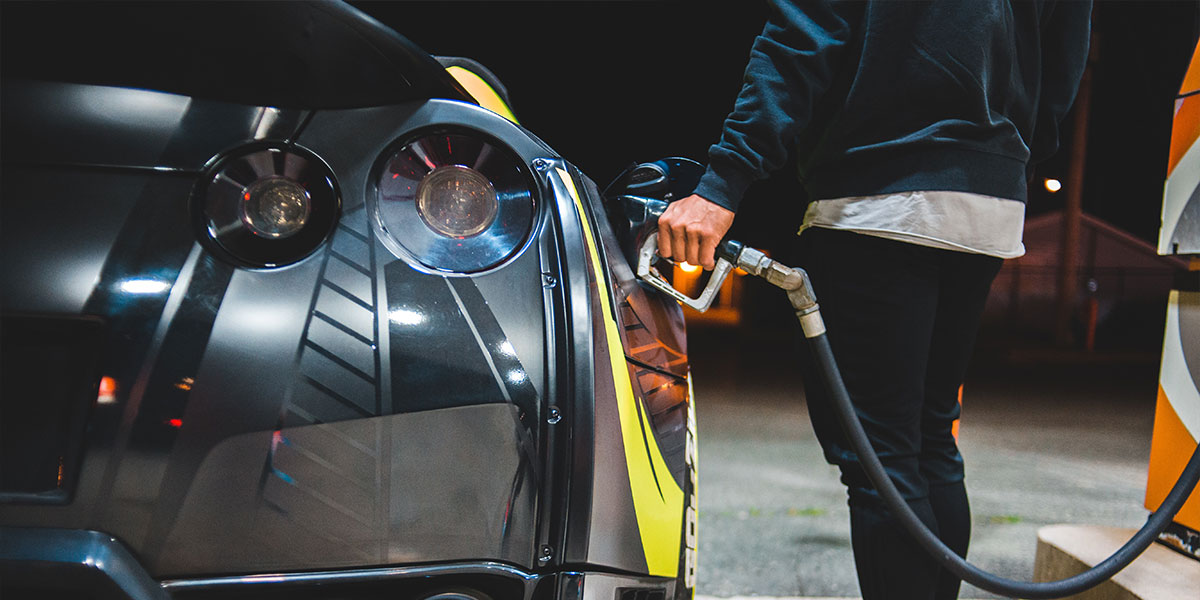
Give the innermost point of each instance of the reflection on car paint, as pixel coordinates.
(371, 414)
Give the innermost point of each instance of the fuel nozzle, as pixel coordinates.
(648, 271)
(733, 254)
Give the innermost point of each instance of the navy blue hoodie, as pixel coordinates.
(892, 96)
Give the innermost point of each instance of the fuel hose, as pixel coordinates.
(952, 561)
(800, 293)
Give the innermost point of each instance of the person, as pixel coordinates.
(915, 127)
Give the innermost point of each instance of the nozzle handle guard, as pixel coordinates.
(727, 253)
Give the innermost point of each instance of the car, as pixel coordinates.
(292, 308)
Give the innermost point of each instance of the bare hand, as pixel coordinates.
(690, 230)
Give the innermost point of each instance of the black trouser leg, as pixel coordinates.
(962, 293)
(953, 514)
(901, 322)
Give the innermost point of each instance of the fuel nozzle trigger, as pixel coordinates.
(727, 255)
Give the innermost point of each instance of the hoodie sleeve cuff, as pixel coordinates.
(723, 189)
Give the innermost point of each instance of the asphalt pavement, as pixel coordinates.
(1047, 438)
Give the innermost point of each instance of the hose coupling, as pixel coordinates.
(790, 279)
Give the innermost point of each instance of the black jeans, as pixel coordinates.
(901, 321)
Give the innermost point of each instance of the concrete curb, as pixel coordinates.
(1158, 574)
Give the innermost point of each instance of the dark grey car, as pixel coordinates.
(287, 313)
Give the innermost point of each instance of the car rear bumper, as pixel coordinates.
(44, 562)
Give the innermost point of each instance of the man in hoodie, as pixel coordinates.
(915, 126)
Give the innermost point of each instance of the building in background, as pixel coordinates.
(1123, 285)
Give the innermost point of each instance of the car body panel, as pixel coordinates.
(342, 495)
(354, 418)
(656, 497)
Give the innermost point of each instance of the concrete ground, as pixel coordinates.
(1048, 439)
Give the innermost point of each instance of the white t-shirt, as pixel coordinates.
(958, 221)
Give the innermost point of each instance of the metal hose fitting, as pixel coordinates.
(792, 280)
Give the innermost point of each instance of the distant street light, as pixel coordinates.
(1053, 185)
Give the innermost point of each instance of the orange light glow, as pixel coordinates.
(1053, 185)
(108, 391)
(688, 267)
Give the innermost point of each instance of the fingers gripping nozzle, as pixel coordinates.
(646, 271)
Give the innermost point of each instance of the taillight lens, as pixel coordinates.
(457, 202)
(267, 206)
(275, 207)
(453, 201)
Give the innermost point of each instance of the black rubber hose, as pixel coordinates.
(953, 562)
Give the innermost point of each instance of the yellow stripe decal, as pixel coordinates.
(481, 92)
(657, 499)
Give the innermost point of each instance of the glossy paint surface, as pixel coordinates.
(348, 403)
(362, 407)
(360, 492)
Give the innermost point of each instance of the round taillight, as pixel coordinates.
(452, 201)
(267, 206)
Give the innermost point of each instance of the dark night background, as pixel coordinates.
(607, 83)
